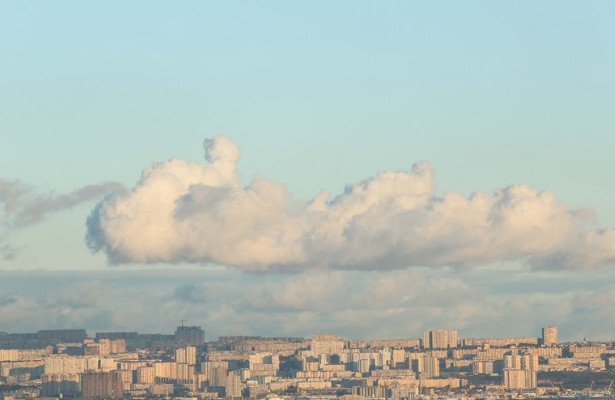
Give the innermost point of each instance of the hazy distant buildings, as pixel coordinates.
(116, 335)
(63, 335)
(103, 346)
(500, 342)
(190, 335)
(136, 340)
(286, 345)
(238, 367)
(549, 335)
(326, 344)
(439, 339)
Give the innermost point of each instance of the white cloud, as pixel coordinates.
(188, 212)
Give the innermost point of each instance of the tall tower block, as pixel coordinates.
(549, 335)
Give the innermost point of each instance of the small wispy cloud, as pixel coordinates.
(8, 252)
(190, 294)
(22, 205)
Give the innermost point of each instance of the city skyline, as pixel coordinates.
(193, 335)
(68, 363)
(372, 170)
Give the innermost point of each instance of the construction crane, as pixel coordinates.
(177, 320)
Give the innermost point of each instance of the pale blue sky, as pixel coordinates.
(316, 95)
(491, 93)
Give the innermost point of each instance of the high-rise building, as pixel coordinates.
(190, 335)
(233, 386)
(215, 372)
(439, 339)
(549, 335)
(146, 375)
(519, 379)
(186, 355)
(520, 371)
(102, 385)
(431, 367)
(398, 358)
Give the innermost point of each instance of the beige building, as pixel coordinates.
(61, 364)
(519, 379)
(186, 355)
(499, 342)
(326, 344)
(520, 371)
(9, 355)
(549, 335)
(440, 339)
(233, 386)
(146, 375)
(215, 372)
(431, 368)
(165, 370)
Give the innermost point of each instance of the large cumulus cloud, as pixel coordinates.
(188, 212)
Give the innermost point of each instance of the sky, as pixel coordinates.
(289, 168)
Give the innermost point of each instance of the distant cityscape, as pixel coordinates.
(129, 365)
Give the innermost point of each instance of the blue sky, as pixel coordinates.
(316, 95)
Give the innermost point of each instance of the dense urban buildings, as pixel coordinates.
(114, 365)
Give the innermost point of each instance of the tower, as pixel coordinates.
(549, 335)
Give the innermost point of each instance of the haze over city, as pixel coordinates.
(367, 169)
